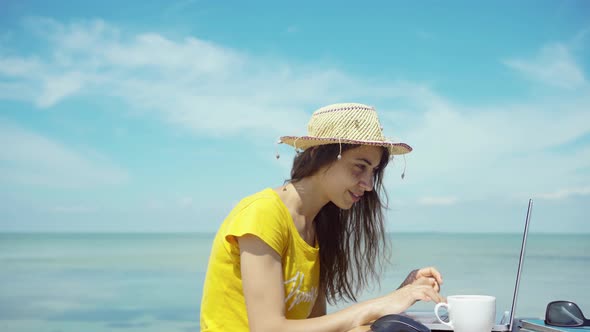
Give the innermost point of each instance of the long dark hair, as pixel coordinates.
(352, 242)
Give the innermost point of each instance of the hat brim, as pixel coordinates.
(304, 142)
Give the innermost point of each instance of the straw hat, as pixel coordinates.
(348, 123)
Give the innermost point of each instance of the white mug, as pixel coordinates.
(469, 313)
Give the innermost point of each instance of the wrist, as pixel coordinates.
(369, 311)
(378, 307)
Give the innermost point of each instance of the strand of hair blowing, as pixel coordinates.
(353, 245)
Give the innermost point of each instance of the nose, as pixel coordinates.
(367, 182)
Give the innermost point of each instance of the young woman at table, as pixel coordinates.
(283, 252)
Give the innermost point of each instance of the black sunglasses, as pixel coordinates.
(565, 313)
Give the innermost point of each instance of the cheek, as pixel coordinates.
(356, 175)
(341, 178)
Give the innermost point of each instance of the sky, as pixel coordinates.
(159, 116)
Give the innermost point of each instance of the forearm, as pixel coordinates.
(265, 300)
(344, 320)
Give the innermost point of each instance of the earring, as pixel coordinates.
(277, 149)
(404, 172)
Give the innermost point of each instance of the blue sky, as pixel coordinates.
(160, 116)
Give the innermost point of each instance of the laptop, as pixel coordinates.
(506, 322)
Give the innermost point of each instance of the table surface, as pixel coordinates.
(367, 328)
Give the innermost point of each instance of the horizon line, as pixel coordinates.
(113, 232)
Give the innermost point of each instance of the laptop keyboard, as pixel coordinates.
(430, 319)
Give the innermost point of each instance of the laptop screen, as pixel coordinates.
(520, 263)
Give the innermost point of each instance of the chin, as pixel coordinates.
(343, 206)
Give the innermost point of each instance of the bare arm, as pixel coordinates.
(319, 308)
(264, 294)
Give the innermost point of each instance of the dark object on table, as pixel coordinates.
(398, 323)
(565, 314)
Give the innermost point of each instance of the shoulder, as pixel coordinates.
(266, 201)
(262, 214)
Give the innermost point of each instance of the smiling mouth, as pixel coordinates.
(355, 197)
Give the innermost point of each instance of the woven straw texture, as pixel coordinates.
(350, 123)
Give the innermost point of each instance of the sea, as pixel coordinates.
(62, 282)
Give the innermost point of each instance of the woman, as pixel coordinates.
(282, 253)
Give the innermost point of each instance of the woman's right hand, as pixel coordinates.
(423, 289)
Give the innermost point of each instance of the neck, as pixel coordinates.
(304, 199)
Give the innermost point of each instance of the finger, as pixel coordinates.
(434, 284)
(434, 296)
(421, 281)
(431, 272)
(426, 293)
(437, 276)
(430, 281)
(426, 281)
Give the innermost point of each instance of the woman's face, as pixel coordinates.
(346, 180)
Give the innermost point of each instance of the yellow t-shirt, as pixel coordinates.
(263, 214)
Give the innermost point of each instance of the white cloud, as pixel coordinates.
(554, 66)
(202, 86)
(475, 152)
(564, 193)
(57, 88)
(28, 158)
(15, 67)
(211, 90)
(525, 146)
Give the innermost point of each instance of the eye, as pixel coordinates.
(360, 167)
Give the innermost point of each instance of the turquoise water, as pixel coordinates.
(153, 282)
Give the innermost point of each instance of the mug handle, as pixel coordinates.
(436, 308)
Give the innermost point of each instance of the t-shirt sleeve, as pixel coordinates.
(263, 218)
